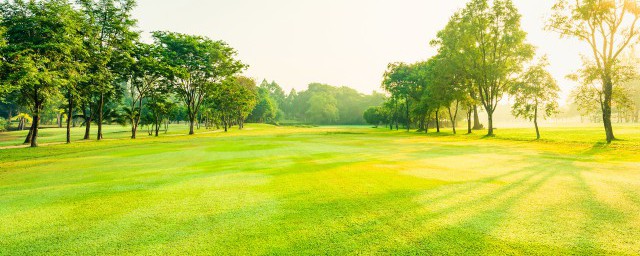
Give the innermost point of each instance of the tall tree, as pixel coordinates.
(537, 91)
(450, 86)
(454, 74)
(609, 28)
(159, 106)
(147, 73)
(41, 37)
(245, 98)
(197, 64)
(590, 90)
(234, 100)
(265, 109)
(399, 82)
(495, 47)
(109, 38)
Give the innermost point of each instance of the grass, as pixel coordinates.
(55, 135)
(324, 190)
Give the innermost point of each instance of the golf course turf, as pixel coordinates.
(324, 190)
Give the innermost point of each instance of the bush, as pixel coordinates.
(3, 124)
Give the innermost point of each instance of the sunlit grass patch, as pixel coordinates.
(322, 190)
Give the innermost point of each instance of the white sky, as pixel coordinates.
(338, 42)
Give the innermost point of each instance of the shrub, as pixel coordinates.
(3, 124)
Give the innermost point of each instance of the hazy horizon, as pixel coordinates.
(342, 43)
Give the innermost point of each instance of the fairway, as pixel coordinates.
(328, 190)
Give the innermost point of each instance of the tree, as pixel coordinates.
(609, 27)
(197, 64)
(537, 91)
(244, 98)
(450, 86)
(147, 73)
(590, 91)
(322, 109)
(495, 47)
(265, 109)
(234, 100)
(399, 82)
(41, 37)
(453, 76)
(275, 92)
(374, 116)
(160, 107)
(109, 38)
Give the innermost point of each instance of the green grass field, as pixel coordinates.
(326, 190)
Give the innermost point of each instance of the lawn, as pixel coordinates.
(325, 190)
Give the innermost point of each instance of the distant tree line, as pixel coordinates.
(483, 57)
(320, 104)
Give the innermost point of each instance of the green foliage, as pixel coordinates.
(609, 28)
(4, 124)
(109, 38)
(537, 91)
(322, 109)
(234, 100)
(374, 116)
(496, 48)
(41, 38)
(266, 109)
(196, 66)
(346, 105)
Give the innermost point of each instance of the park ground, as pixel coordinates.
(323, 190)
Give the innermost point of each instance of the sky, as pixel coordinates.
(339, 42)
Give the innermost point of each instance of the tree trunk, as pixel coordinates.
(10, 114)
(36, 122)
(34, 134)
(476, 119)
(100, 116)
(606, 109)
(426, 126)
(87, 123)
(396, 115)
(535, 122)
(157, 125)
(135, 119)
(191, 124)
(469, 128)
(490, 116)
(408, 116)
(453, 116)
(27, 140)
(69, 117)
(133, 131)
(87, 129)
(437, 121)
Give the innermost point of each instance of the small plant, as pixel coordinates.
(3, 124)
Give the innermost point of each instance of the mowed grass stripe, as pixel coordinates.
(327, 190)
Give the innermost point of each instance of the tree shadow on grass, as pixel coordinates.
(419, 230)
(410, 215)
